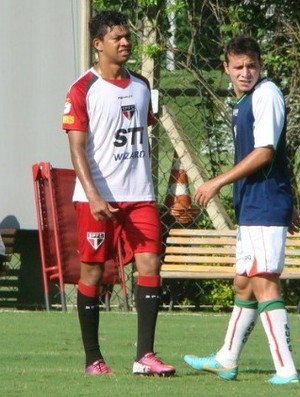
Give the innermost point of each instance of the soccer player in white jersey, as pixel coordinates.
(264, 210)
(106, 117)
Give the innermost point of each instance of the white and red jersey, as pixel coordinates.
(115, 115)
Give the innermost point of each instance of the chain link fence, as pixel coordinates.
(179, 48)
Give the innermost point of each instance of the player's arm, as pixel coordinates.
(253, 162)
(100, 209)
(295, 222)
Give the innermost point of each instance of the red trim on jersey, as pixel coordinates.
(75, 115)
(149, 281)
(121, 83)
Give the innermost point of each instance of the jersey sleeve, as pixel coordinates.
(269, 115)
(75, 111)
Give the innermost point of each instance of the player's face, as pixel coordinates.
(116, 45)
(244, 72)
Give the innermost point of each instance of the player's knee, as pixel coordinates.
(147, 262)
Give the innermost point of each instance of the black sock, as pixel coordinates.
(147, 300)
(88, 313)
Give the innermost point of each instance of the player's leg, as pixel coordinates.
(242, 321)
(88, 314)
(276, 324)
(241, 324)
(269, 246)
(143, 232)
(91, 240)
(147, 300)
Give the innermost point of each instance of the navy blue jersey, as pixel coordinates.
(259, 119)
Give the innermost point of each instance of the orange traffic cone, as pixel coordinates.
(178, 198)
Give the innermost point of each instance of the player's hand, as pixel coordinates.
(295, 223)
(206, 192)
(103, 211)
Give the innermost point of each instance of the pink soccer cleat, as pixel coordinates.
(98, 368)
(149, 364)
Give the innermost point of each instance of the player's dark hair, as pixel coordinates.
(99, 24)
(243, 45)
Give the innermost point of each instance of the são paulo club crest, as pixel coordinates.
(128, 111)
(95, 239)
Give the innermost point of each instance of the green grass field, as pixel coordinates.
(41, 356)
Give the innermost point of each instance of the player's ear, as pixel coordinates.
(225, 65)
(98, 44)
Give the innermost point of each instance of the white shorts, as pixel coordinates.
(260, 249)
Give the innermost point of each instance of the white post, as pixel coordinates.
(148, 70)
(85, 45)
(172, 42)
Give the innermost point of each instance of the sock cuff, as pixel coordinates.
(272, 304)
(88, 290)
(149, 281)
(245, 304)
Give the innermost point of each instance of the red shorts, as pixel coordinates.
(138, 226)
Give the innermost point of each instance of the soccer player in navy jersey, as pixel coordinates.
(106, 117)
(264, 210)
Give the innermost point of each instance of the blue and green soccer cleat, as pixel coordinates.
(279, 380)
(210, 364)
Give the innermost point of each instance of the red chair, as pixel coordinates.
(56, 218)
